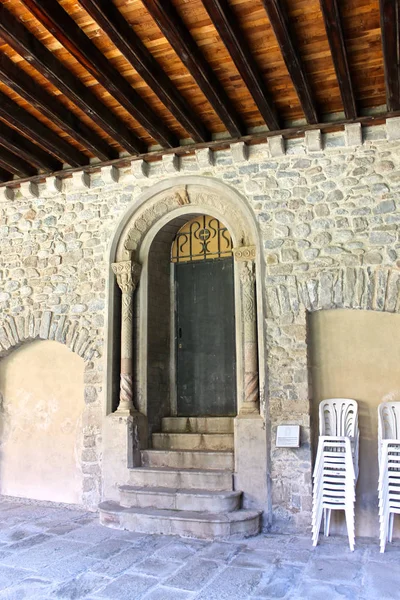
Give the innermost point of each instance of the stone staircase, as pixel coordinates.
(185, 484)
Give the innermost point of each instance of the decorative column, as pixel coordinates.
(245, 258)
(127, 274)
(251, 455)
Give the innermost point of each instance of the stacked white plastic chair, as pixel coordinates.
(336, 466)
(389, 468)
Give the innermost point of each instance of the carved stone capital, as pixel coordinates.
(244, 253)
(127, 274)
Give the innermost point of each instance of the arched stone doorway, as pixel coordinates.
(162, 211)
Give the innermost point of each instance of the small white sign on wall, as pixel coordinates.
(288, 436)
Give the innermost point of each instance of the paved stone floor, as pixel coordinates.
(51, 552)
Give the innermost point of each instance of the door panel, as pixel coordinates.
(206, 369)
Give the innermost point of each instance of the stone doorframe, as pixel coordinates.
(155, 208)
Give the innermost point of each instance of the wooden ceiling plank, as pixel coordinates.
(173, 28)
(229, 31)
(111, 21)
(70, 35)
(45, 137)
(15, 165)
(34, 52)
(334, 30)
(280, 24)
(31, 153)
(390, 14)
(16, 79)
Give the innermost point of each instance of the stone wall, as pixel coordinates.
(328, 217)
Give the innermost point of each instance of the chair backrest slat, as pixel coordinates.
(339, 417)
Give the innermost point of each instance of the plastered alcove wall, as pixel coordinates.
(356, 354)
(41, 386)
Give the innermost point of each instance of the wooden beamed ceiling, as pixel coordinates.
(89, 82)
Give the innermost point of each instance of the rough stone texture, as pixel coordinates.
(49, 552)
(329, 224)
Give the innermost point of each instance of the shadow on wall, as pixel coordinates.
(41, 406)
(356, 354)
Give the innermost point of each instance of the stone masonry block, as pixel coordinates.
(110, 175)
(79, 181)
(240, 152)
(205, 158)
(313, 140)
(29, 190)
(6, 194)
(140, 168)
(53, 186)
(276, 145)
(393, 128)
(353, 134)
(171, 163)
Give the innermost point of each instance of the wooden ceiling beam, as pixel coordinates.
(34, 52)
(5, 175)
(111, 21)
(218, 144)
(229, 31)
(70, 35)
(334, 30)
(30, 152)
(280, 24)
(16, 79)
(28, 125)
(173, 28)
(15, 164)
(390, 26)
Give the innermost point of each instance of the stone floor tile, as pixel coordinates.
(221, 551)
(329, 548)
(156, 567)
(32, 588)
(381, 582)
(92, 533)
(29, 542)
(79, 587)
(128, 587)
(232, 584)
(181, 550)
(121, 563)
(194, 575)
(315, 590)
(280, 583)
(45, 554)
(68, 567)
(62, 528)
(255, 559)
(165, 593)
(107, 548)
(331, 570)
(9, 576)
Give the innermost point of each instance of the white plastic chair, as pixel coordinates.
(389, 469)
(336, 465)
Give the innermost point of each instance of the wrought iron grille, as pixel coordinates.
(202, 238)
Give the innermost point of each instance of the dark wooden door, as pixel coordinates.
(206, 365)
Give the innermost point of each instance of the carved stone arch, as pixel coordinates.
(47, 325)
(183, 195)
(349, 287)
(173, 199)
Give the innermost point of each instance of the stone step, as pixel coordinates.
(197, 425)
(218, 481)
(192, 441)
(192, 459)
(175, 499)
(240, 523)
